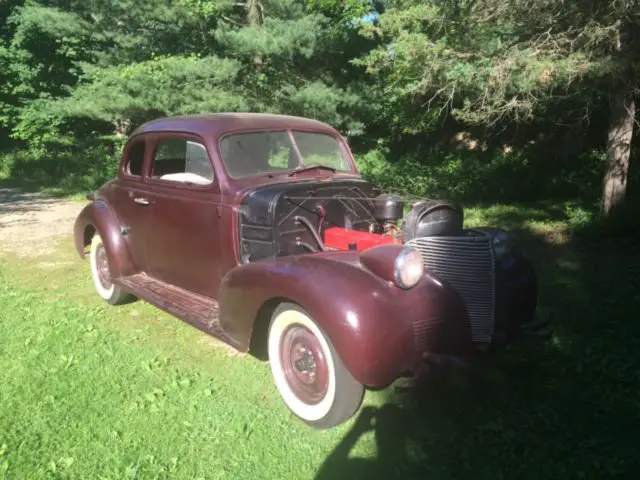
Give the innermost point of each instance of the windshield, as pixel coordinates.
(247, 154)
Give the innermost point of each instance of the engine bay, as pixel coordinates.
(425, 218)
(338, 238)
(290, 219)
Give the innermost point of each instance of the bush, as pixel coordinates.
(67, 171)
(482, 177)
(622, 222)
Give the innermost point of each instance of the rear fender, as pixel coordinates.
(100, 216)
(368, 319)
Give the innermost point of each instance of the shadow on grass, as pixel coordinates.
(566, 409)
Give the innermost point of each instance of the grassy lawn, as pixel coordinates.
(90, 391)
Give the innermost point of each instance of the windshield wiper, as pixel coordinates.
(311, 167)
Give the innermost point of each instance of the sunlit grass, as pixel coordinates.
(92, 391)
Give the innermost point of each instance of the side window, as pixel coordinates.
(181, 160)
(135, 159)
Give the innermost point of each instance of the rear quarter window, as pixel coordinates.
(135, 159)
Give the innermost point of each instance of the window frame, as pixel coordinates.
(156, 139)
(125, 170)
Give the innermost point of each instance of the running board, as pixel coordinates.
(198, 310)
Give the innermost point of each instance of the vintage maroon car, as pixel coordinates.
(259, 230)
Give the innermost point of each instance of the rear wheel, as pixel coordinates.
(308, 372)
(101, 274)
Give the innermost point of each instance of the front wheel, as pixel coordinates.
(308, 372)
(109, 291)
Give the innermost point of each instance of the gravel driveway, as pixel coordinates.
(31, 223)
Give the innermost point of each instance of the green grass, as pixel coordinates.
(91, 391)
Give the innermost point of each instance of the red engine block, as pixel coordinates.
(343, 239)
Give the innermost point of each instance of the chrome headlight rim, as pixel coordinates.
(409, 268)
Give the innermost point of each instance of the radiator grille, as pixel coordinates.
(467, 263)
(423, 331)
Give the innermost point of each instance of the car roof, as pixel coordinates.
(217, 124)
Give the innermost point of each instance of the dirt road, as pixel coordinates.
(31, 223)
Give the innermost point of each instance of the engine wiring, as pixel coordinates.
(316, 236)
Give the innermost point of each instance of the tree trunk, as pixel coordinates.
(621, 121)
(254, 12)
(120, 130)
(255, 18)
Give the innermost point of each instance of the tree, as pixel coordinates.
(40, 51)
(259, 55)
(487, 62)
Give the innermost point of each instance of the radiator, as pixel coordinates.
(467, 263)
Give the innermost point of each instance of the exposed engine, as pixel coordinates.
(289, 219)
(386, 211)
(426, 218)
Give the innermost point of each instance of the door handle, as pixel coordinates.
(141, 201)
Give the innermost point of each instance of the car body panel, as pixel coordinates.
(184, 249)
(101, 217)
(134, 217)
(370, 321)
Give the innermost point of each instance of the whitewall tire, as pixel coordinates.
(310, 376)
(101, 274)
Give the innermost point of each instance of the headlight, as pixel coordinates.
(501, 244)
(409, 268)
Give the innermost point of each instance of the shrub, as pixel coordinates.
(68, 170)
(482, 177)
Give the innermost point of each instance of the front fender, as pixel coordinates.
(102, 218)
(373, 324)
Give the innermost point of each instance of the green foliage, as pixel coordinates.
(40, 60)
(162, 86)
(140, 60)
(277, 38)
(345, 14)
(621, 223)
(64, 170)
(482, 176)
(317, 100)
(477, 62)
(76, 72)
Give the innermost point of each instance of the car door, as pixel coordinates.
(128, 197)
(183, 242)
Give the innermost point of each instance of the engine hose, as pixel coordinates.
(315, 234)
(307, 246)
